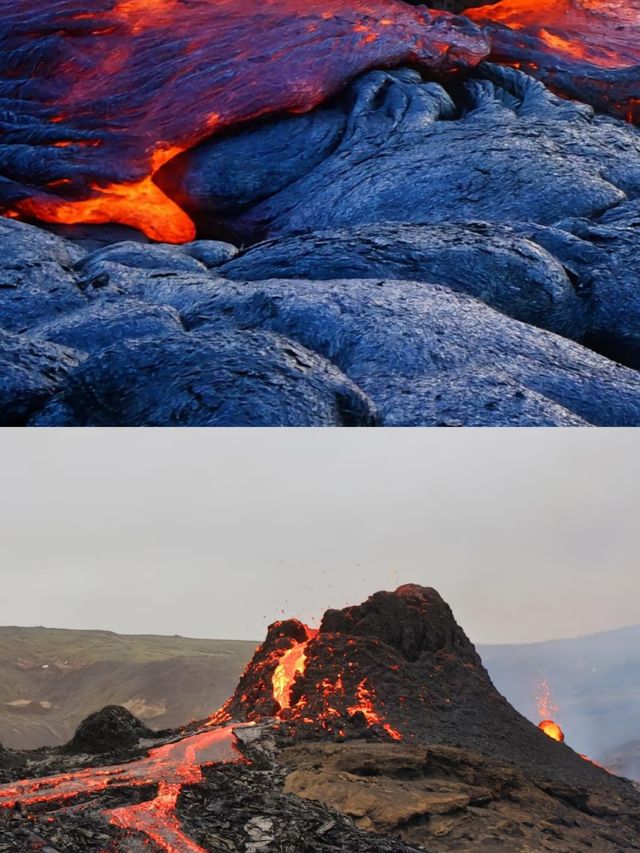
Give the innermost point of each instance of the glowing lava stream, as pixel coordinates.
(601, 33)
(289, 665)
(170, 766)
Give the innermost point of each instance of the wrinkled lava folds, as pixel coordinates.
(97, 95)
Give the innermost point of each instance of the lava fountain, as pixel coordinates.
(546, 710)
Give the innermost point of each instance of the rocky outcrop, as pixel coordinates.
(231, 378)
(31, 372)
(112, 729)
(443, 798)
(399, 666)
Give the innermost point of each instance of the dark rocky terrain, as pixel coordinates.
(336, 758)
(593, 684)
(50, 679)
(376, 225)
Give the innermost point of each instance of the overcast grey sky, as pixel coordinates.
(528, 534)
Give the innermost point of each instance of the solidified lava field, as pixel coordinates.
(358, 213)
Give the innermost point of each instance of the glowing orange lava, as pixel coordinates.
(290, 665)
(365, 696)
(604, 34)
(169, 767)
(552, 729)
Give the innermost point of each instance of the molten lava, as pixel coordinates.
(290, 664)
(169, 767)
(358, 701)
(98, 95)
(365, 697)
(583, 49)
(552, 729)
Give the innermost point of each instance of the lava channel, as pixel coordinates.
(169, 766)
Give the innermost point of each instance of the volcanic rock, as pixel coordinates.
(36, 278)
(96, 326)
(423, 354)
(112, 729)
(499, 148)
(31, 372)
(230, 378)
(146, 257)
(444, 798)
(503, 270)
(428, 356)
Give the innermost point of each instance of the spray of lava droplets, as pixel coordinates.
(546, 710)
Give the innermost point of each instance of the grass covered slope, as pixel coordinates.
(50, 679)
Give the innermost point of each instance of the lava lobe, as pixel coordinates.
(98, 95)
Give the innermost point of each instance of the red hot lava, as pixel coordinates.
(583, 49)
(290, 664)
(98, 95)
(169, 767)
(552, 730)
(274, 684)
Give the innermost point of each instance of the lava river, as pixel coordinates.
(168, 767)
(171, 766)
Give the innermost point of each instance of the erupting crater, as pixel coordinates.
(394, 668)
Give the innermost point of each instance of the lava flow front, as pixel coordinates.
(97, 96)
